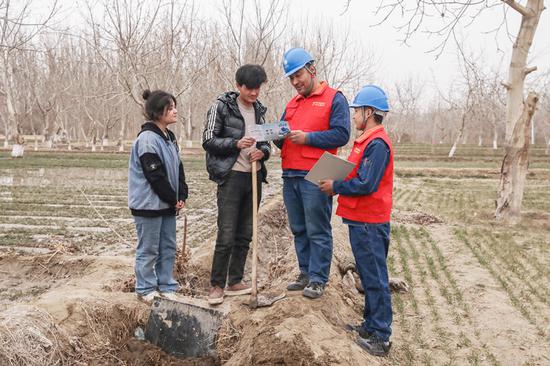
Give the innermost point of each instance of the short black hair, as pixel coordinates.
(251, 76)
(157, 103)
(377, 118)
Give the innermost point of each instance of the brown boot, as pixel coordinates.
(215, 297)
(237, 289)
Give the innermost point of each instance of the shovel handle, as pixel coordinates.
(254, 293)
(184, 234)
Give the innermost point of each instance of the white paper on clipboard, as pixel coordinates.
(329, 166)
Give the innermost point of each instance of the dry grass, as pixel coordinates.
(29, 336)
(228, 340)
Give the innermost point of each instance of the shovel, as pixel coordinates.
(186, 328)
(255, 300)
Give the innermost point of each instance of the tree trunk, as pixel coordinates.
(432, 148)
(518, 118)
(533, 132)
(460, 136)
(453, 148)
(464, 138)
(6, 136)
(514, 166)
(120, 141)
(94, 141)
(495, 137)
(12, 127)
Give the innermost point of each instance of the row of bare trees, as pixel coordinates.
(84, 83)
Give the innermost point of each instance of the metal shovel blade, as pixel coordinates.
(184, 329)
(264, 300)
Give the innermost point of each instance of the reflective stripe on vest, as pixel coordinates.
(376, 207)
(309, 115)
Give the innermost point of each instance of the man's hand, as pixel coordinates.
(297, 136)
(246, 142)
(256, 155)
(179, 205)
(326, 186)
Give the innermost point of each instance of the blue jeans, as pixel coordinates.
(309, 212)
(155, 254)
(370, 243)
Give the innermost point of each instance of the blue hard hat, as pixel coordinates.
(294, 59)
(371, 96)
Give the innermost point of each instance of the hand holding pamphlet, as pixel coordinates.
(269, 131)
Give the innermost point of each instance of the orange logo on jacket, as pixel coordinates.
(318, 104)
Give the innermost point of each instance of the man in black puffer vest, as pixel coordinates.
(230, 152)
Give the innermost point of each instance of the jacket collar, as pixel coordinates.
(368, 133)
(322, 87)
(230, 99)
(151, 126)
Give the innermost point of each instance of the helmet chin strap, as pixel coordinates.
(312, 81)
(364, 122)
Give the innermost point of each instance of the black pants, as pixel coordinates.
(234, 228)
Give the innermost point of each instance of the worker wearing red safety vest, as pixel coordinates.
(318, 117)
(364, 203)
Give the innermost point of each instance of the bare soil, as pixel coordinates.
(83, 311)
(477, 293)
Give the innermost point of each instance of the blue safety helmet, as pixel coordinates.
(371, 96)
(294, 59)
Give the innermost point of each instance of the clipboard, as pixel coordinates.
(329, 166)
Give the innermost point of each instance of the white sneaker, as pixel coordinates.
(148, 299)
(170, 296)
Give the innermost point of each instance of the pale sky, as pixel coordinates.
(396, 61)
(399, 61)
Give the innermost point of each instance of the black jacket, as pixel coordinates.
(224, 127)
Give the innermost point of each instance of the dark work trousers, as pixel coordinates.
(234, 228)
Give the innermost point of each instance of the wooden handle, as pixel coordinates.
(184, 233)
(254, 294)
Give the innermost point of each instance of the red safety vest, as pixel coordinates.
(373, 208)
(307, 114)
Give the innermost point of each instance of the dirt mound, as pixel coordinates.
(415, 217)
(95, 321)
(30, 336)
(29, 276)
(139, 353)
(93, 333)
(296, 330)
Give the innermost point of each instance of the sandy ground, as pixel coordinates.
(77, 309)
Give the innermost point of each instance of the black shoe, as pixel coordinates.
(299, 284)
(374, 345)
(314, 290)
(353, 328)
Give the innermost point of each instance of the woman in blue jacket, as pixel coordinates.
(156, 192)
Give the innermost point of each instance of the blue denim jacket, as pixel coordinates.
(140, 194)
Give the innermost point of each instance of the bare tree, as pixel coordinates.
(405, 108)
(17, 30)
(518, 110)
(85, 82)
